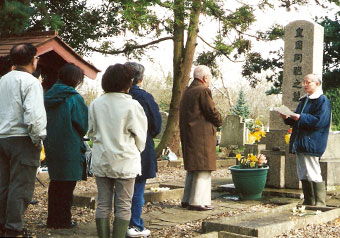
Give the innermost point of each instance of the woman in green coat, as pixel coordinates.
(67, 123)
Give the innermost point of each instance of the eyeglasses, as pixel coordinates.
(307, 82)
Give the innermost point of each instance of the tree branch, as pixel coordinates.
(211, 46)
(130, 48)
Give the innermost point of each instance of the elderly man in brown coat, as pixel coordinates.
(198, 121)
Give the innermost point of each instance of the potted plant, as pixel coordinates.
(250, 175)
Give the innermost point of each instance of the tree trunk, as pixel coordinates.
(182, 62)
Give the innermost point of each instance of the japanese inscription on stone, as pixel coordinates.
(297, 69)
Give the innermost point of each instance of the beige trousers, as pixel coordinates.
(197, 190)
(119, 189)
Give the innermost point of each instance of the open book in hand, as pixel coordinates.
(284, 110)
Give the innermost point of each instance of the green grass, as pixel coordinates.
(156, 141)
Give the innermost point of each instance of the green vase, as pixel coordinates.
(249, 183)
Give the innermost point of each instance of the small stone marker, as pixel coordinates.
(233, 131)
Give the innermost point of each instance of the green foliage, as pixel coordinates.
(14, 17)
(333, 96)
(241, 107)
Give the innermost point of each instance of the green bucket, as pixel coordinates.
(249, 183)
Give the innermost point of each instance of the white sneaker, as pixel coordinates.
(136, 232)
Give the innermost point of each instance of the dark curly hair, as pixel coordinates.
(117, 78)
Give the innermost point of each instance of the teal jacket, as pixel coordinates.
(67, 123)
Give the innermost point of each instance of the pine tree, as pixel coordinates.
(241, 107)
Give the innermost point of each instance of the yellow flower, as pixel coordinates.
(252, 164)
(252, 157)
(42, 153)
(287, 138)
(238, 156)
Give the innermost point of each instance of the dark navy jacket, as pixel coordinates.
(146, 100)
(310, 132)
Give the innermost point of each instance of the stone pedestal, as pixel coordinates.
(254, 149)
(276, 172)
(275, 138)
(330, 170)
(291, 177)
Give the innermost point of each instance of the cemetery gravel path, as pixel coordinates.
(36, 215)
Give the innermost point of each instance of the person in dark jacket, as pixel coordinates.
(198, 119)
(148, 156)
(311, 123)
(67, 123)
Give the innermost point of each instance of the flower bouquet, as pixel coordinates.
(249, 177)
(256, 131)
(252, 161)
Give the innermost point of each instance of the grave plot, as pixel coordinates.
(272, 222)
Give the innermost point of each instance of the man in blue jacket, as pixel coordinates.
(311, 123)
(149, 162)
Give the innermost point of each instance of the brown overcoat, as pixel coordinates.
(198, 121)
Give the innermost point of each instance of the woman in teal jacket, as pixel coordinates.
(67, 123)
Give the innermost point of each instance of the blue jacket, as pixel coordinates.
(146, 100)
(67, 123)
(310, 132)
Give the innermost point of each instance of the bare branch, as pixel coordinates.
(211, 46)
(131, 47)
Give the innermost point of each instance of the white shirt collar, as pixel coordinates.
(315, 95)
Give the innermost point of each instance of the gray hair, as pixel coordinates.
(138, 70)
(201, 71)
(314, 77)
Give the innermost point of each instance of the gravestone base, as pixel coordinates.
(275, 138)
(291, 177)
(254, 149)
(276, 172)
(270, 223)
(330, 170)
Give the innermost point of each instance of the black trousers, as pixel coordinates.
(60, 197)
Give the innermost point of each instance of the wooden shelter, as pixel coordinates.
(53, 52)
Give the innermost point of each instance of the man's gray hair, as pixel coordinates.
(314, 77)
(201, 71)
(138, 70)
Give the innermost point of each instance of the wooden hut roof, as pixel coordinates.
(47, 42)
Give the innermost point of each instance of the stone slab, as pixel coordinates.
(270, 223)
(150, 196)
(225, 234)
(225, 163)
(233, 131)
(254, 148)
(276, 122)
(330, 170)
(162, 163)
(333, 149)
(85, 200)
(208, 235)
(291, 177)
(275, 138)
(276, 172)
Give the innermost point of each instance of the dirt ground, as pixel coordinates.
(36, 215)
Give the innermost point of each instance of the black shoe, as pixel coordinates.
(15, 233)
(184, 204)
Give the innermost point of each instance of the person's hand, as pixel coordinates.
(295, 116)
(283, 116)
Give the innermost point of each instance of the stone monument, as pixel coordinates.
(303, 53)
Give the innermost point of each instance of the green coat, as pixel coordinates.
(67, 123)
